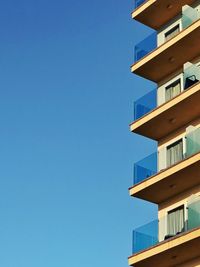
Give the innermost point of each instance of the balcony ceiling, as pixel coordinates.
(149, 12)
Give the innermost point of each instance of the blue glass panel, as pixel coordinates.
(145, 104)
(146, 46)
(145, 168)
(139, 3)
(145, 236)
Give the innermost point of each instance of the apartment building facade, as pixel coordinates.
(170, 115)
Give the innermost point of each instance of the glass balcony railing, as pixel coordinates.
(189, 16)
(145, 236)
(139, 2)
(145, 104)
(145, 168)
(167, 227)
(193, 142)
(148, 102)
(145, 46)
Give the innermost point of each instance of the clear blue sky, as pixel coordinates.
(66, 153)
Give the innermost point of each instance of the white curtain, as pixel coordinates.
(175, 153)
(172, 91)
(175, 221)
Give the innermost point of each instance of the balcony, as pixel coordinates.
(157, 122)
(158, 186)
(170, 56)
(148, 12)
(158, 244)
(148, 102)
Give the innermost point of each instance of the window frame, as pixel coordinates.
(170, 31)
(180, 207)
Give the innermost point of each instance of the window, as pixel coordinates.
(172, 32)
(173, 90)
(174, 153)
(175, 222)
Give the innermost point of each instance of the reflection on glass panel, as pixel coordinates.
(145, 46)
(145, 168)
(145, 104)
(193, 142)
(139, 3)
(189, 15)
(194, 215)
(191, 74)
(145, 236)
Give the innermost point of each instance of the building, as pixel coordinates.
(170, 114)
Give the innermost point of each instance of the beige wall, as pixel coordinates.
(161, 89)
(166, 28)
